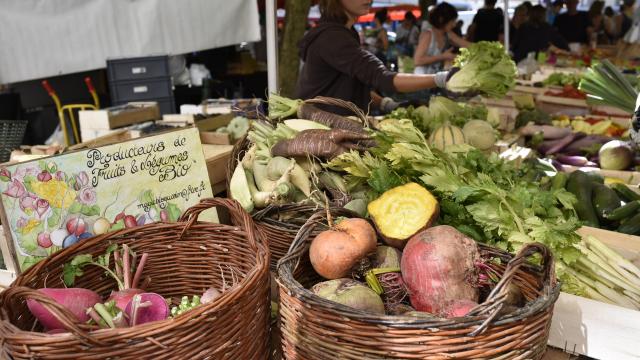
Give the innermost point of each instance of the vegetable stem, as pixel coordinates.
(127, 266)
(104, 313)
(136, 277)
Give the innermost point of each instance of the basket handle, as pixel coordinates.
(238, 216)
(62, 314)
(323, 100)
(496, 299)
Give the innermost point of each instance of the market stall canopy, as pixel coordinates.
(42, 38)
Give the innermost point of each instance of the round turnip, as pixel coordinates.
(335, 252)
(76, 300)
(350, 293)
(101, 226)
(615, 155)
(146, 307)
(58, 236)
(44, 240)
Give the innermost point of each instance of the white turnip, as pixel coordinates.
(350, 293)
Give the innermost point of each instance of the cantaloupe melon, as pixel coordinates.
(446, 135)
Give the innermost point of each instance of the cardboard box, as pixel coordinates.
(593, 328)
(117, 116)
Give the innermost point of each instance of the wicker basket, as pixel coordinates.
(11, 134)
(185, 258)
(315, 328)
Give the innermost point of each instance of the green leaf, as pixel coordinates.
(27, 181)
(117, 226)
(73, 269)
(75, 208)
(90, 210)
(174, 212)
(54, 218)
(29, 261)
(383, 179)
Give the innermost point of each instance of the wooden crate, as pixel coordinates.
(118, 116)
(217, 157)
(557, 104)
(593, 328)
(629, 177)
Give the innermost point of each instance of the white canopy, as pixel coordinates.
(41, 38)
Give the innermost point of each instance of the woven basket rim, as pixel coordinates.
(227, 297)
(287, 281)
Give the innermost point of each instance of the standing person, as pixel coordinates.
(624, 20)
(407, 35)
(609, 21)
(335, 65)
(435, 43)
(553, 11)
(520, 16)
(375, 38)
(537, 35)
(596, 31)
(487, 24)
(573, 24)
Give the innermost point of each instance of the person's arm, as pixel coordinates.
(382, 34)
(414, 82)
(457, 40)
(420, 56)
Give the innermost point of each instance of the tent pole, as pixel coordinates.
(506, 25)
(272, 46)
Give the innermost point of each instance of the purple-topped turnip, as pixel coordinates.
(76, 300)
(146, 307)
(124, 268)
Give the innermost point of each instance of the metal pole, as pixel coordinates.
(506, 26)
(272, 46)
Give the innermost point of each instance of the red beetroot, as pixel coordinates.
(459, 308)
(438, 268)
(76, 300)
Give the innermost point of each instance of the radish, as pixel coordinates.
(439, 267)
(124, 269)
(76, 300)
(58, 236)
(44, 240)
(146, 307)
(101, 226)
(76, 226)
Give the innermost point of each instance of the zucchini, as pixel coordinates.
(581, 185)
(595, 177)
(604, 200)
(623, 212)
(631, 226)
(559, 181)
(625, 192)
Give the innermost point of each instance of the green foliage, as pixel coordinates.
(484, 67)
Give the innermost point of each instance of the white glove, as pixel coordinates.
(387, 105)
(440, 79)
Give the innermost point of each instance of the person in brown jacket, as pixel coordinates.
(335, 64)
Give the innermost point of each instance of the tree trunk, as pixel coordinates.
(295, 25)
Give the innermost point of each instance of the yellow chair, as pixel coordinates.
(69, 110)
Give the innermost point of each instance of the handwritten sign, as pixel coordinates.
(53, 203)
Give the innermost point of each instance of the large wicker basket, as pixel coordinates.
(315, 328)
(185, 258)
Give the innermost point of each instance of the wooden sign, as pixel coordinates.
(52, 203)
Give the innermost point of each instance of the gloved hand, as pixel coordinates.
(387, 105)
(441, 79)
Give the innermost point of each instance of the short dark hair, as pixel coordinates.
(490, 2)
(382, 15)
(409, 16)
(333, 10)
(442, 14)
(557, 3)
(537, 14)
(608, 11)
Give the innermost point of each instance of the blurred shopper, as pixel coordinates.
(487, 24)
(573, 24)
(407, 35)
(596, 30)
(624, 20)
(435, 46)
(458, 28)
(376, 40)
(553, 10)
(537, 35)
(520, 16)
(609, 22)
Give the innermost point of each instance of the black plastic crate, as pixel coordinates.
(11, 134)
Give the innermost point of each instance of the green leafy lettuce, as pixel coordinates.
(485, 68)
